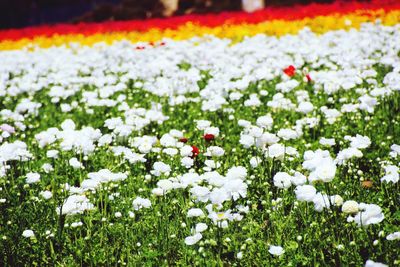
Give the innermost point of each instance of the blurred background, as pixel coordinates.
(22, 13)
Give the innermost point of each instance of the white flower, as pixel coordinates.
(395, 150)
(105, 140)
(200, 227)
(202, 124)
(75, 163)
(75, 204)
(127, 154)
(330, 114)
(52, 153)
(393, 236)
(344, 155)
(189, 178)
(327, 141)
(168, 140)
(276, 151)
(165, 184)
(337, 200)
(253, 131)
(76, 224)
(186, 151)
(214, 151)
(211, 164)
(95, 179)
(350, 206)
(287, 134)
(195, 212)
(236, 188)
(238, 172)
(170, 151)
(254, 161)
(253, 101)
(324, 172)
(235, 96)
(218, 196)
(200, 193)
(113, 123)
(187, 162)
(68, 124)
(145, 147)
(391, 174)
(176, 133)
(46, 194)
(28, 233)
(223, 224)
(298, 178)
(47, 167)
(244, 123)
(32, 177)
(282, 180)
(193, 239)
(371, 263)
(157, 191)
(305, 193)
(265, 121)
(160, 168)
(367, 103)
(219, 217)
(212, 130)
(287, 86)
(247, 140)
(267, 139)
(6, 128)
(368, 214)
(276, 250)
(359, 141)
(321, 201)
(305, 107)
(139, 203)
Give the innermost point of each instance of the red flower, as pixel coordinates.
(290, 71)
(209, 137)
(308, 78)
(195, 151)
(290, 13)
(183, 140)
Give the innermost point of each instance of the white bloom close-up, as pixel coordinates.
(276, 250)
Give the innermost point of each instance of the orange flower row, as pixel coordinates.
(234, 25)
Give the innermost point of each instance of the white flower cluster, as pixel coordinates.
(214, 139)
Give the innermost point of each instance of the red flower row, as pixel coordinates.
(210, 20)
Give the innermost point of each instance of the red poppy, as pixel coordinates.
(195, 151)
(183, 140)
(209, 137)
(290, 71)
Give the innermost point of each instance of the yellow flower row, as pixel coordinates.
(236, 32)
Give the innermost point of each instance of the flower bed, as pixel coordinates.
(266, 139)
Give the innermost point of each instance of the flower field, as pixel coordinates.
(265, 139)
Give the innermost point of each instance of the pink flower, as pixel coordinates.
(7, 128)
